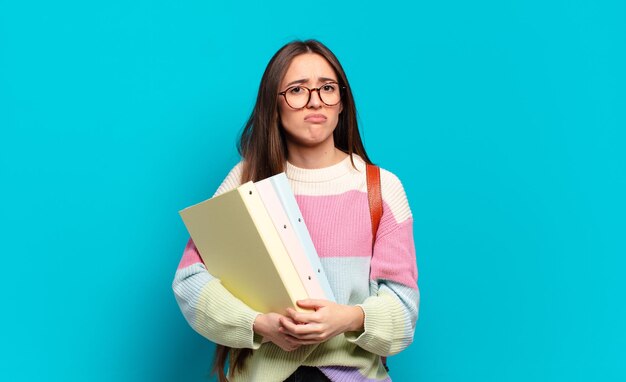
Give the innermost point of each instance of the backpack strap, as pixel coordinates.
(375, 199)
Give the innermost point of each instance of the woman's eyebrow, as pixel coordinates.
(326, 79)
(305, 80)
(302, 81)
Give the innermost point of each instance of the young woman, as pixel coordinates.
(304, 123)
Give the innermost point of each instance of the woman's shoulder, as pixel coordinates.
(388, 179)
(394, 194)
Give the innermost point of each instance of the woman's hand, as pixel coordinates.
(327, 320)
(267, 325)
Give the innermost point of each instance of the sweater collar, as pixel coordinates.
(323, 174)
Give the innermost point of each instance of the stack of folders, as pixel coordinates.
(254, 239)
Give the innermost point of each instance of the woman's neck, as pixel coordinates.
(312, 158)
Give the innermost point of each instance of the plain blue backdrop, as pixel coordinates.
(503, 119)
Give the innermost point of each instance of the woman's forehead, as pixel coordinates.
(309, 68)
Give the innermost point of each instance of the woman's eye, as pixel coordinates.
(328, 88)
(296, 90)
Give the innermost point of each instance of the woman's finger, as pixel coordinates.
(302, 317)
(300, 331)
(312, 303)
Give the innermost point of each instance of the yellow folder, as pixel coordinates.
(240, 246)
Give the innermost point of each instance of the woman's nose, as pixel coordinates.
(314, 99)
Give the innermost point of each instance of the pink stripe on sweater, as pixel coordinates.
(339, 224)
(394, 256)
(190, 255)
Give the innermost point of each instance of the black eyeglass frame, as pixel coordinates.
(284, 94)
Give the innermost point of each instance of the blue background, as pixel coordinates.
(504, 120)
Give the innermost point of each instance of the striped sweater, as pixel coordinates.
(333, 202)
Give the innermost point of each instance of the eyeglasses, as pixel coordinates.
(297, 96)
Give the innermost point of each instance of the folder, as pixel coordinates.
(240, 246)
(290, 206)
(295, 249)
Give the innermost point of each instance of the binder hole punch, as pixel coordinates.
(309, 277)
(285, 226)
(250, 192)
(299, 220)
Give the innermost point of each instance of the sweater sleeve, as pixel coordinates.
(208, 307)
(391, 310)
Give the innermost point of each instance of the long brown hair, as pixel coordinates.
(264, 150)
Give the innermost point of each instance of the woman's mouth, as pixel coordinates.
(315, 118)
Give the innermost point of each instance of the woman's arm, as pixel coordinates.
(392, 309)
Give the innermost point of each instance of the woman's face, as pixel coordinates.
(313, 125)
